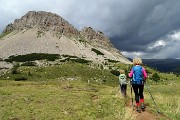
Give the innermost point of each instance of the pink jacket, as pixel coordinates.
(143, 71)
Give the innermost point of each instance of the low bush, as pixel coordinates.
(115, 72)
(14, 68)
(21, 78)
(112, 61)
(155, 77)
(97, 51)
(29, 63)
(33, 57)
(4, 34)
(69, 56)
(79, 60)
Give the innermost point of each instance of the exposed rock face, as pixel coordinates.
(45, 32)
(43, 20)
(96, 38)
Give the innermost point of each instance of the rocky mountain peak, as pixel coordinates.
(46, 32)
(96, 37)
(45, 21)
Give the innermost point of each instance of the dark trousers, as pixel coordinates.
(123, 89)
(138, 91)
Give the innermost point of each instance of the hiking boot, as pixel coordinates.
(142, 107)
(124, 94)
(138, 109)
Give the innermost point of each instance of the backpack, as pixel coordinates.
(137, 75)
(122, 79)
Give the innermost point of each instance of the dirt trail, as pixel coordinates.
(145, 115)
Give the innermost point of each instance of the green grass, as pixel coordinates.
(167, 98)
(79, 92)
(65, 100)
(4, 34)
(70, 70)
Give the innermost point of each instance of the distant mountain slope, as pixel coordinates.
(45, 32)
(164, 65)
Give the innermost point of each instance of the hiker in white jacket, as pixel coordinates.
(123, 82)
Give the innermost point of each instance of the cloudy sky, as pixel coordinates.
(138, 28)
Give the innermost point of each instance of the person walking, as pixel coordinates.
(139, 76)
(123, 82)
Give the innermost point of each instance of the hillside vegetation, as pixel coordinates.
(164, 65)
(70, 90)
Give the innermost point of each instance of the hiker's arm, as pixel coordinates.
(144, 73)
(119, 78)
(131, 73)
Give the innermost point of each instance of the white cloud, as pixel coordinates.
(133, 54)
(159, 43)
(175, 36)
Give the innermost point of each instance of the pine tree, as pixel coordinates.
(155, 77)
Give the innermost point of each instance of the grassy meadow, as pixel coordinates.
(74, 91)
(167, 97)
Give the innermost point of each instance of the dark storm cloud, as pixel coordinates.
(149, 24)
(134, 26)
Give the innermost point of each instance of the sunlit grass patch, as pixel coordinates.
(78, 91)
(167, 99)
(170, 106)
(59, 100)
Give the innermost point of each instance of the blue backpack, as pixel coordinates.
(137, 75)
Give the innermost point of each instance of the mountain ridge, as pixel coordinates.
(167, 65)
(46, 32)
(164, 65)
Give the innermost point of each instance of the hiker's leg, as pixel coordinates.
(141, 89)
(121, 87)
(135, 88)
(125, 88)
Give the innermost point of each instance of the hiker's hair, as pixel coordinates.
(121, 71)
(137, 61)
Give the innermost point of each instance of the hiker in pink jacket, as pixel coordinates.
(138, 75)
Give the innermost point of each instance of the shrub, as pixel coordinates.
(113, 61)
(115, 72)
(74, 59)
(69, 56)
(33, 57)
(4, 34)
(79, 60)
(97, 51)
(29, 64)
(14, 68)
(64, 60)
(21, 78)
(155, 77)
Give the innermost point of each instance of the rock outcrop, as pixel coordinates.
(96, 38)
(45, 21)
(45, 32)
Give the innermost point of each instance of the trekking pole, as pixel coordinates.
(132, 97)
(152, 98)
